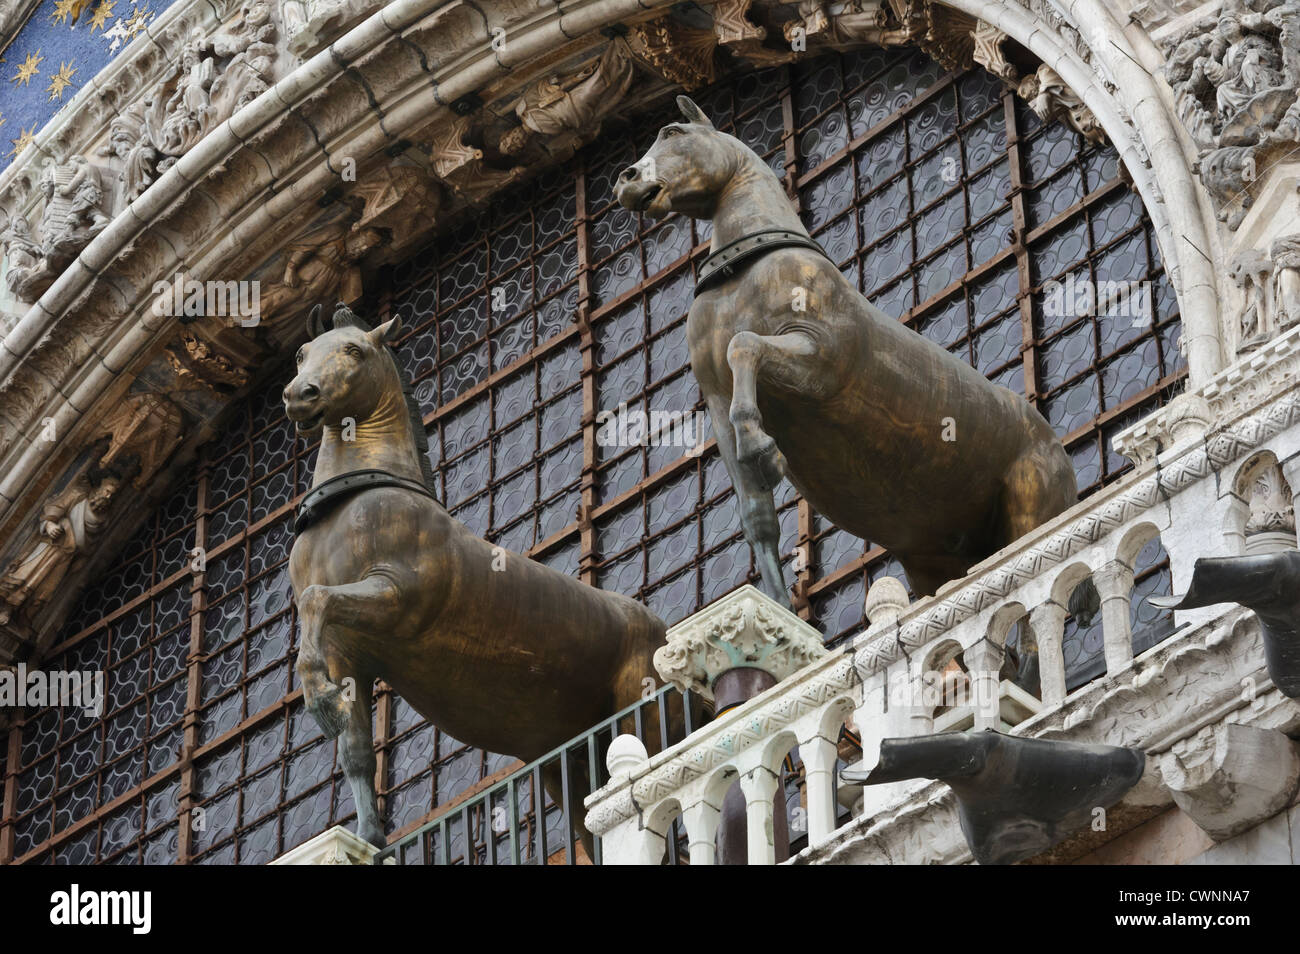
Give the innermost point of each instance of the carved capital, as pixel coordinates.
(743, 629)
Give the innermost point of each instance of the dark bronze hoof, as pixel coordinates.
(1269, 585)
(373, 832)
(1016, 797)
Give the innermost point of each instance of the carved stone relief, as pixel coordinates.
(571, 107)
(1043, 89)
(1271, 286)
(1236, 82)
(73, 216)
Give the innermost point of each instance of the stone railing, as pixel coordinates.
(1195, 491)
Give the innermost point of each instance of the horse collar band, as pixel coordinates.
(322, 498)
(722, 264)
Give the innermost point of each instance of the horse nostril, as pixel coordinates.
(310, 392)
(629, 174)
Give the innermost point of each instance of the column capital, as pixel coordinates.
(743, 629)
(1114, 580)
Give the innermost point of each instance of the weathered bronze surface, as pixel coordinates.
(1016, 797)
(885, 433)
(497, 650)
(1267, 583)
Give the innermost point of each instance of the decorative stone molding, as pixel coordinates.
(1252, 382)
(743, 629)
(1230, 777)
(335, 846)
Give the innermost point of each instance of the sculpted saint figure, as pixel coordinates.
(69, 522)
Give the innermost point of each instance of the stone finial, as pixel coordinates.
(1188, 416)
(886, 601)
(625, 757)
(743, 629)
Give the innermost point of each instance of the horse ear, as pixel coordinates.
(387, 332)
(692, 112)
(314, 326)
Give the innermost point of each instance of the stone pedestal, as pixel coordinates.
(730, 652)
(337, 846)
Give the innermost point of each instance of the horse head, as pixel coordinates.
(343, 371)
(685, 170)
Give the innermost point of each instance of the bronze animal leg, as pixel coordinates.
(371, 604)
(779, 355)
(357, 751)
(757, 509)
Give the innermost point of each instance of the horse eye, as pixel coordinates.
(302, 353)
(354, 351)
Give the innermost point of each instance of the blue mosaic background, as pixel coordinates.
(52, 59)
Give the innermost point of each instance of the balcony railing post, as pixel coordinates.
(818, 756)
(1048, 625)
(701, 830)
(1114, 583)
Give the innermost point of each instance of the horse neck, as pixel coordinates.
(753, 200)
(383, 441)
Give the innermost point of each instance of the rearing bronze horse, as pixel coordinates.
(501, 652)
(882, 431)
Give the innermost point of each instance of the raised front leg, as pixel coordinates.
(782, 360)
(373, 604)
(757, 509)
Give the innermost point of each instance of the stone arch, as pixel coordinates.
(1260, 517)
(1133, 540)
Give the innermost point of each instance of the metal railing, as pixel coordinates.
(517, 821)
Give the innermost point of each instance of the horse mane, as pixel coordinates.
(344, 317)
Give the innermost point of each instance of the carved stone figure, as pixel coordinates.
(310, 24)
(573, 105)
(69, 523)
(322, 267)
(1049, 98)
(401, 199)
(884, 432)
(1252, 272)
(1285, 254)
(143, 431)
(28, 274)
(72, 217)
(250, 46)
(130, 142)
(498, 651)
(1236, 83)
(1044, 90)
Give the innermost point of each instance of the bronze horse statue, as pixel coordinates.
(495, 649)
(884, 432)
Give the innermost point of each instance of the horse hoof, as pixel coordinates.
(372, 832)
(330, 710)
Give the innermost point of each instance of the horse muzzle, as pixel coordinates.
(640, 195)
(302, 405)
